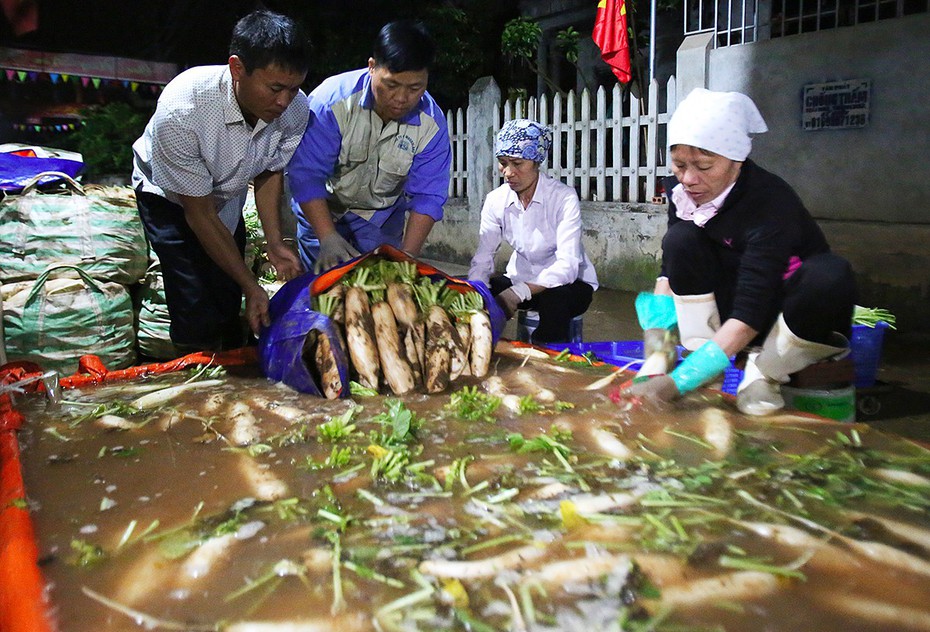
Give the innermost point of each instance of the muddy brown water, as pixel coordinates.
(589, 514)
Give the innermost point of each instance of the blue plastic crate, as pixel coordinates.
(866, 348)
(623, 353)
(731, 379)
(866, 352)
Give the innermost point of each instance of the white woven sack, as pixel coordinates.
(97, 229)
(54, 321)
(153, 335)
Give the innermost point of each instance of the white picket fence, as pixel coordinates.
(617, 155)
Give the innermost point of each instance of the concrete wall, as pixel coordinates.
(869, 173)
(866, 186)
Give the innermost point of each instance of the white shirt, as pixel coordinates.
(545, 236)
(198, 143)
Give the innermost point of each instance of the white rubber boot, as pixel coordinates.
(698, 319)
(783, 353)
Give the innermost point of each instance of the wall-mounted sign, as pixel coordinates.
(836, 105)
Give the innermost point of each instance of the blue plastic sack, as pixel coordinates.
(287, 294)
(280, 346)
(16, 171)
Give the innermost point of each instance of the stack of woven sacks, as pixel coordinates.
(68, 260)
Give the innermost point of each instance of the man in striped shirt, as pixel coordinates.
(216, 130)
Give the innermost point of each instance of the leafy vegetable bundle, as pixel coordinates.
(401, 329)
(870, 316)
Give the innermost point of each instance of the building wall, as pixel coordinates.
(869, 173)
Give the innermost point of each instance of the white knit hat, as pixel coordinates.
(720, 122)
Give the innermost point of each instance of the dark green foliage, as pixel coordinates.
(106, 138)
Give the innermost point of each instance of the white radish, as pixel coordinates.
(165, 395)
(117, 422)
(663, 570)
(482, 343)
(400, 298)
(587, 504)
(461, 341)
(319, 350)
(287, 413)
(738, 586)
(262, 482)
(557, 574)
(202, 560)
(608, 443)
(515, 559)
(360, 338)
(245, 425)
(717, 430)
(901, 477)
(213, 404)
(888, 615)
(394, 365)
(412, 351)
(317, 355)
(911, 533)
(438, 349)
(348, 622)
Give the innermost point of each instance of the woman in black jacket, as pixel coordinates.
(744, 265)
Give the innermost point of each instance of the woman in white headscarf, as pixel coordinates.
(744, 265)
(541, 219)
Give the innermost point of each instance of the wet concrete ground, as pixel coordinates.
(899, 402)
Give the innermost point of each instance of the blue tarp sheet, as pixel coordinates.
(16, 171)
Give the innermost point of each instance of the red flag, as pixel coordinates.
(23, 15)
(610, 35)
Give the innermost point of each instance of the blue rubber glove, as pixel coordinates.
(657, 317)
(655, 311)
(700, 367)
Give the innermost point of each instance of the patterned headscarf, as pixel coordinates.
(720, 122)
(523, 138)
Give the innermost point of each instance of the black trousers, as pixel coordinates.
(816, 300)
(203, 301)
(556, 307)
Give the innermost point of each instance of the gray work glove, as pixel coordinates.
(334, 249)
(510, 299)
(660, 388)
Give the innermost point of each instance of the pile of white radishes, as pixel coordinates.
(410, 331)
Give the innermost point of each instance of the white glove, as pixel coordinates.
(334, 249)
(522, 290)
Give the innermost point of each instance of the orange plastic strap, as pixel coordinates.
(385, 251)
(22, 601)
(92, 371)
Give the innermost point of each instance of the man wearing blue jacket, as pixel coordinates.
(376, 147)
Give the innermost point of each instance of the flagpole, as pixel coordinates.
(652, 40)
